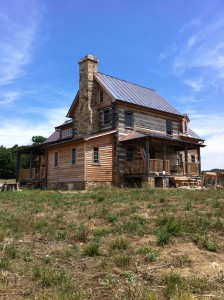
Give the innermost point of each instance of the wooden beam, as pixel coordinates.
(31, 163)
(186, 158)
(164, 158)
(147, 156)
(17, 166)
(199, 160)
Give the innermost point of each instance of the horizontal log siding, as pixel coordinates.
(103, 171)
(145, 121)
(66, 172)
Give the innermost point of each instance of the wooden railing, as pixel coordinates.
(139, 166)
(193, 168)
(27, 174)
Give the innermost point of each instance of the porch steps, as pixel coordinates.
(186, 181)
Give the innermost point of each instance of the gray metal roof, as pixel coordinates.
(135, 94)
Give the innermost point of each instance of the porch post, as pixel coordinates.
(164, 158)
(17, 166)
(199, 161)
(31, 161)
(186, 158)
(46, 168)
(147, 156)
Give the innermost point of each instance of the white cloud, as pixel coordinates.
(20, 131)
(19, 27)
(8, 97)
(210, 128)
(196, 85)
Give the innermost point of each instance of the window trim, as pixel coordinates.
(108, 116)
(56, 159)
(101, 96)
(193, 158)
(129, 150)
(169, 127)
(128, 113)
(74, 159)
(96, 162)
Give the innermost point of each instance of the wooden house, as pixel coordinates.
(117, 133)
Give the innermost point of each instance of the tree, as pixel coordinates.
(7, 163)
(38, 139)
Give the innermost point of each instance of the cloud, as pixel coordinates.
(8, 97)
(19, 27)
(196, 85)
(21, 130)
(210, 127)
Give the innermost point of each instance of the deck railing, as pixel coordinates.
(193, 169)
(139, 166)
(30, 174)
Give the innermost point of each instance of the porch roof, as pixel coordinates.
(142, 135)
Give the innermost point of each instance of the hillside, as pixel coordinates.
(112, 244)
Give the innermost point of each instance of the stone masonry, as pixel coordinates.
(87, 118)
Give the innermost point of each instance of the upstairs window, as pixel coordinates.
(129, 154)
(129, 119)
(96, 155)
(73, 156)
(55, 159)
(169, 127)
(101, 96)
(106, 117)
(66, 133)
(185, 126)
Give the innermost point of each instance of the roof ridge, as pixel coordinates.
(127, 81)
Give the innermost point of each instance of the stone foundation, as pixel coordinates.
(148, 182)
(162, 182)
(77, 185)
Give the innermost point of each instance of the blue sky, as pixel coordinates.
(173, 46)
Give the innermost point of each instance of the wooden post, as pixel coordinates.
(147, 157)
(199, 161)
(17, 166)
(164, 158)
(186, 158)
(31, 163)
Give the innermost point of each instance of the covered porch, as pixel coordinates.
(149, 155)
(34, 173)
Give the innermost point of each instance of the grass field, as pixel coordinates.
(112, 243)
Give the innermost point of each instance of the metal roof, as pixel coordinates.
(191, 134)
(135, 94)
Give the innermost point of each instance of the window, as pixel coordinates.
(185, 126)
(96, 155)
(181, 158)
(56, 159)
(73, 156)
(66, 132)
(169, 127)
(106, 117)
(101, 96)
(129, 119)
(129, 154)
(193, 158)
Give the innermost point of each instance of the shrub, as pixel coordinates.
(122, 260)
(119, 244)
(92, 250)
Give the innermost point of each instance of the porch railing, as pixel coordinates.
(139, 166)
(30, 174)
(193, 168)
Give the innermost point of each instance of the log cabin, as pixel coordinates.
(118, 133)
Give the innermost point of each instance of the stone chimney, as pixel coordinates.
(86, 122)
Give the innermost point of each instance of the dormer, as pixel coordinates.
(184, 126)
(65, 130)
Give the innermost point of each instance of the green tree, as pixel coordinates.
(38, 139)
(7, 163)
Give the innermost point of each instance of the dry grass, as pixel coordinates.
(122, 244)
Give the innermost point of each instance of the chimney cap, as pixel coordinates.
(89, 57)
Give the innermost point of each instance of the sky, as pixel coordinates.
(173, 46)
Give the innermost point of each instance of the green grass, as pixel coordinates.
(107, 242)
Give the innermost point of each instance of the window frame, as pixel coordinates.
(193, 158)
(106, 117)
(74, 156)
(129, 154)
(56, 159)
(127, 123)
(169, 127)
(101, 96)
(96, 159)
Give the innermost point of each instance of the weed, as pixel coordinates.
(163, 236)
(122, 260)
(10, 251)
(81, 234)
(174, 283)
(4, 263)
(92, 249)
(203, 242)
(100, 232)
(47, 259)
(108, 282)
(131, 277)
(60, 235)
(152, 256)
(111, 218)
(119, 244)
(50, 277)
